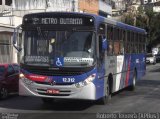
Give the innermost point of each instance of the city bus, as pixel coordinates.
(82, 56)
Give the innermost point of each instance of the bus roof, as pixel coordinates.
(121, 24)
(96, 17)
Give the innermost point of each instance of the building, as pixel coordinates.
(136, 4)
(99, 7)
(6, 49)
(123, 7)
(118, 7)
(105, 8)
(152, 4)
(88, 6)
(148, 1)
(7, 24)
(12, 11)
(156, 7)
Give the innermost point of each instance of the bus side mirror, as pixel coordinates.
(16, 38)
(104, 44)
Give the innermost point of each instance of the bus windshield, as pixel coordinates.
(69, 48)
(2, 70)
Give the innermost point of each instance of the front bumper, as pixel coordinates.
(150, 61)
(87, 92)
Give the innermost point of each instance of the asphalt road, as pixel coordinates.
(145, 99)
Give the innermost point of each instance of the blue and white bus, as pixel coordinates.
(78, 56)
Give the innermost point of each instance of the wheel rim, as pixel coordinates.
(134, 81)
(4, 93)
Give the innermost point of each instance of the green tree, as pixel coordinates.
(145, 19)
(129, 19)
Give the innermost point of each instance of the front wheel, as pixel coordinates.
(154, 63)
(104, 100)
(133, 86)
(3, 93)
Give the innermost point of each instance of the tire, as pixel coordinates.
(3, 93)
(133, 86)
(47, 100)
(154, 63)
(104, 100)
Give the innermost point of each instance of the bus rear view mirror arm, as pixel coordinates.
(17, 48)
(16, 37)
(104, 44)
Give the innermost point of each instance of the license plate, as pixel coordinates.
(52, 91)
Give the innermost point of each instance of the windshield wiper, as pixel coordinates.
(40, 32)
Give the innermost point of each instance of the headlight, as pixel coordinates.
(21, 75)
(25, 80)
(86, 81)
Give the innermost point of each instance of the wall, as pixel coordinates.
(11, 21)
(105, 8)
(156, 9)
(22, 7)
(6, 48)
(89, 6)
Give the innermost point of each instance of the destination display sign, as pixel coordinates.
(69, 21)
(37, 59)
(59, 20)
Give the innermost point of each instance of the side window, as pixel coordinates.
(100, 43)
(117, 41)
(131, 42)
(101, 35)
(110, 39)
(122, 39)
(144, 45)
(128, 42)
(136, 42)
(125, 41)
(8, 2)
(10, 70)
(16, 68)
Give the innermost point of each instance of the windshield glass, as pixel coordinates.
(59, 48)
(2, 70)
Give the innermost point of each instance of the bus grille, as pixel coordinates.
(47, 72)
(53, 94)
(48, 83)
